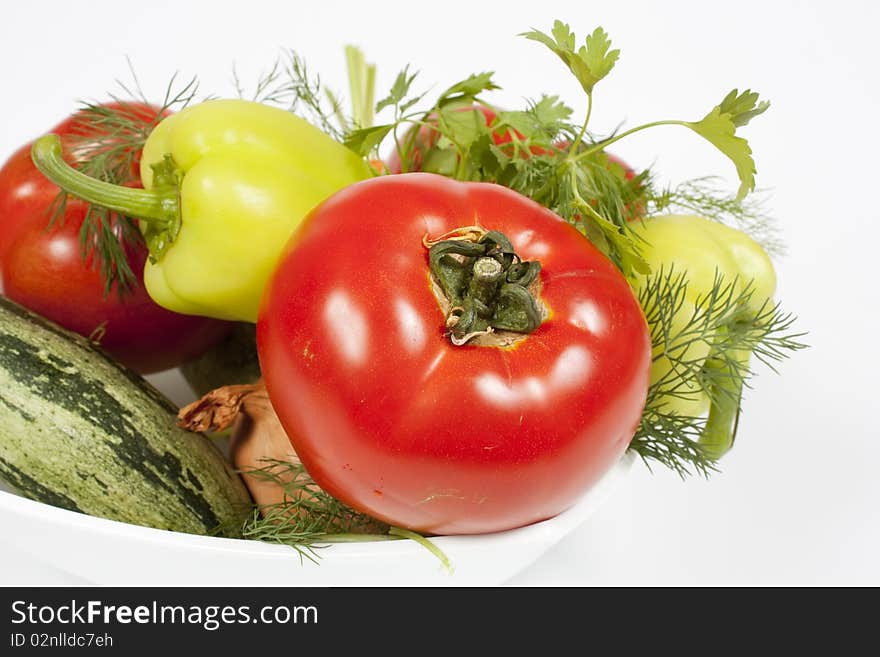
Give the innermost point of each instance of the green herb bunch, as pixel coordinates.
(542, 153)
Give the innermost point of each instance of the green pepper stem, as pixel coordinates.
(151, 206)
(726, 393)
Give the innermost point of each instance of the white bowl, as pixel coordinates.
(47, 545)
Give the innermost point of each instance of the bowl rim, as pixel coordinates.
(548, 530)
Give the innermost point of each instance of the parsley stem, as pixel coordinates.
(580, 137)
(608, 142)
(356, 538)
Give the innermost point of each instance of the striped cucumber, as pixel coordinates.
(82, 432)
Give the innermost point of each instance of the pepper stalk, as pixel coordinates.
(158, 208)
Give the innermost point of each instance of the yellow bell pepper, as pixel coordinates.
(225, 183)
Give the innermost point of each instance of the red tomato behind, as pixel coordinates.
(428, 136)
(391, 418)
(24, 191)
(24, 194)
(628, 172)
(42, 269)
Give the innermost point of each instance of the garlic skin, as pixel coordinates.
(257, 435)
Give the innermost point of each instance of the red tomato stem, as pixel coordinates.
(484, 284)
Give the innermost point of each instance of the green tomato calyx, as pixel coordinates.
(485, 284)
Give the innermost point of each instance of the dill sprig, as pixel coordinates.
(704, 196)
(307, 517)
(707, 354)
(290, 85)
(105, 141)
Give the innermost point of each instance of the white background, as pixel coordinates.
(798, 501)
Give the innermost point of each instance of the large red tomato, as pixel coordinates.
(393, 419)
(22, 191)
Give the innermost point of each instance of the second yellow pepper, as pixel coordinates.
(704, 252)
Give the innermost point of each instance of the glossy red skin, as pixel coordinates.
(391, 418)
(43, 270)
(24, 194)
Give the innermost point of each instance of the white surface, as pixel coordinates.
(797, 502)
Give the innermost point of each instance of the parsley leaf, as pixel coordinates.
(543, 120)
(364, 141)
(742, 107)
(461, 126)
(399, 90)
(719, 128)
(465, 91)
(590, 63)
